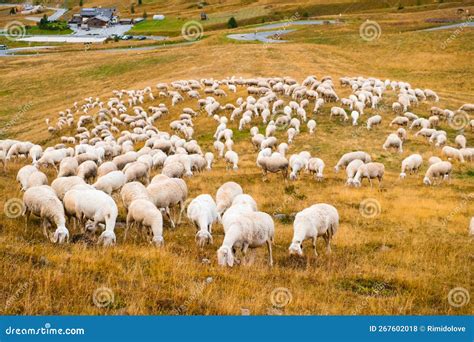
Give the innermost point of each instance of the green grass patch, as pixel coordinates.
(166, 27)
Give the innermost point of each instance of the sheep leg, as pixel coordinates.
(181, 209)
(270, 256)
(27, 217)
(127, 227)
(168, 214)
(45, 228)
(327, 238)
(370, 181)
(314, 246)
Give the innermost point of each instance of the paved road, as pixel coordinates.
(446, 27)
(261, 36)
(265, 36)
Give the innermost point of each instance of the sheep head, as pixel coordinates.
(203, 238)
(225, 256)
(107, 238)
(295, 248)
(61, 235)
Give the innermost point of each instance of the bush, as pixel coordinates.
(232, 23)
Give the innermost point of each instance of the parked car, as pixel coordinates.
(126, 37)
(141, 37)
(3, 47)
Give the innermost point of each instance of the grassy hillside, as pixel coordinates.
(404, 260)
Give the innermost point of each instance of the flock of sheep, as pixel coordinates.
(100, 162)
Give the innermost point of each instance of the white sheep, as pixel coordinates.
(36, 179)
(338, 111)
(351, 170)
(374, 121)
(105, 168)
(461, 141)
(166, 193)
(232, 160)
(87, 170)
(202, 212)
(110, 182)
(394, 141)
(95, 206)
(133, 191)
(273, 164)
(318, 220)
(253, 230)
(369, 171)
(61, 185)
(438, 170)
(433, 160)
(316, 166)
(411, 164)
(226, 194)
(311, 126)
(297, 163)
(209, 159)
(142, 212)
(23, 174)
(350, 156)
(451, 152)
(355, 116)
(68, 167)
(43, 202)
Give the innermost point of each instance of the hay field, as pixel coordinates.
(405, 260)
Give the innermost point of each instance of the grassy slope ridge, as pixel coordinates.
(410, 249)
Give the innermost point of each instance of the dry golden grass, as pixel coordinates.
(409, 250)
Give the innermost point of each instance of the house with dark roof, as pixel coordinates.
(94, 17)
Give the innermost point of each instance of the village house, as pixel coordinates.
(95, 17)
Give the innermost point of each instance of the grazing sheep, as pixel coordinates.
(461, 141)
(167, 193)
(273, 164)
(96, 206)
(316, 166)
(355, 116)
(68, 167)
(253, 230)
(400, 121)
(87, 170)
(133, 191)
(209, 159)
(318, 220)
(433, 160)
(43, 202)
(338, 111)
(350, 156)
(374, 121)
(297, 163)
(23, 174)
(232, 160)
(61, 185)
(451, 152)
(142, 212)
(467, 153)
(36, 179)
(202, 212)
(110, 182)
(402, 133)
(226, 194)
(351, 170)
(393, 141)
(137, 171)
(311, 126)
(369, 171)
(438, 170)
(105, 168)
(411, 164)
